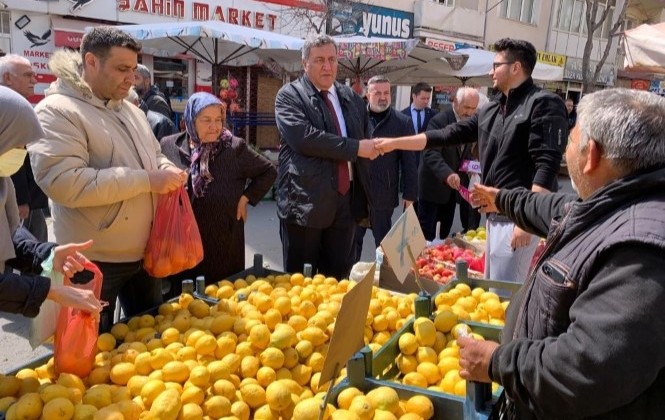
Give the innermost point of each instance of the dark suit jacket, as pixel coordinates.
(309, 152)
(27, 190)
(429, 114)
(385, 169)
(440, 162)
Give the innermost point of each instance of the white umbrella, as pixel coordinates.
(219, 43)
(645, 49)
(468, 63)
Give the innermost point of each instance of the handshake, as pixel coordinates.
(372, 148)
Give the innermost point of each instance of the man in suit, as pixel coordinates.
(385, 170)
(419, 110)
(439, 177)
(322, 180)
(16, 73)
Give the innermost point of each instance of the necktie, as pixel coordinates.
(419, 120)
(343, 180)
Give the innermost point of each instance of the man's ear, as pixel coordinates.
(593, 156)
(6, 79)
(90, 60)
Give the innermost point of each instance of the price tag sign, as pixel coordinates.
(470, 166)
(465, 193)
(348, 335)
(406, 233)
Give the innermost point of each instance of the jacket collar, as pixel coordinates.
(344, 95)
(518, 92)
(182, 143)
(620, 193)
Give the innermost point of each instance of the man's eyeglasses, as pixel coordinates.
(499, 64)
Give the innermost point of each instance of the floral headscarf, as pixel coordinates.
(201, 152)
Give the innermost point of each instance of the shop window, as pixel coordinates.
(5, 37)
(521, 10)
(571, 17)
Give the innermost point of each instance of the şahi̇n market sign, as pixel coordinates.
(200, 11)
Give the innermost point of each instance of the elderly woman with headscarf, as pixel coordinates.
(20, 293)
(224, 176)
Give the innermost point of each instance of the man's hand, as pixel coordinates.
(76, 298)
(520, 238)
(485, 197)
(366, 149)
(475, 356)
(383, 145)
(453, 181)
(23, 211)
(166, 180)
(241, 211)
(68, 260)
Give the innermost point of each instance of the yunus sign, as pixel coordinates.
(367, 20)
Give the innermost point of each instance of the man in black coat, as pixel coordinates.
(321, 182)
(153, 98)
(439, 177)
(385, 121)
(520, 137)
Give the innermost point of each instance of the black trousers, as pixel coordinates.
(429, 213)
(329, 250)
(381, 221)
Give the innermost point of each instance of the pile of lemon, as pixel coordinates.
(476, 235)
(476, 305)
(265, 340)
(429, 357)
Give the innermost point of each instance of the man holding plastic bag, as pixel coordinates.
(24, 294)
(102, 166)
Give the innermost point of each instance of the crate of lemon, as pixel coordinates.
(257, 353)
(422, 358)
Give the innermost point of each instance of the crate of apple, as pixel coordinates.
(434, 270)
(449, 253)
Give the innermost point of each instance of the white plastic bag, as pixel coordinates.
(42, 327)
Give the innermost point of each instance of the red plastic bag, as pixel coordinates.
(174, 244)
(76, 332)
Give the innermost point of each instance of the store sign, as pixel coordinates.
(640, 84)
(67, 39)
(573, 71)
(367, 20)
(249, 18)
(557, 60)
(437, 44)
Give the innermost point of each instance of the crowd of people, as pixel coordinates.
(581, 338)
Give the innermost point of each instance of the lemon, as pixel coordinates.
(345, 397)
(167, 405)
(150, 391)
(84, 412)
(253, 394)
(121, 373)
(225, 388)
(384, 398)
(460, 388)
(192, 394)
(406, 363)
(448, 363)
(9, 386)
(449, 380)
(309, 408)
(259, 336)
(362, 407)
(283, 336)
(272, 357)
(384, 415)
(278, 396)
(461, 330)
(265, 376)
(494, 308)
(430, 371)
(50, 392)
(106, 342)
(58, 408)
(99, 396)
(415, 379)
(175, 371)
(249, 365)
(425, 331)
(99, 375)
(408, 344)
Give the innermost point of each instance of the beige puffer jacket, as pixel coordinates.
(92, 164)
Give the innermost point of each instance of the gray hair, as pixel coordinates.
(627, 124)
(377, 79)
(8, 63)
(132, 96)
(143, 71)
(463, 91)
(318, 41)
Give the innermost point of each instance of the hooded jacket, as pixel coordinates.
(584, 336)
(93, 162)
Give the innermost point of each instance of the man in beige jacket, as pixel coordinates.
(102, 166)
